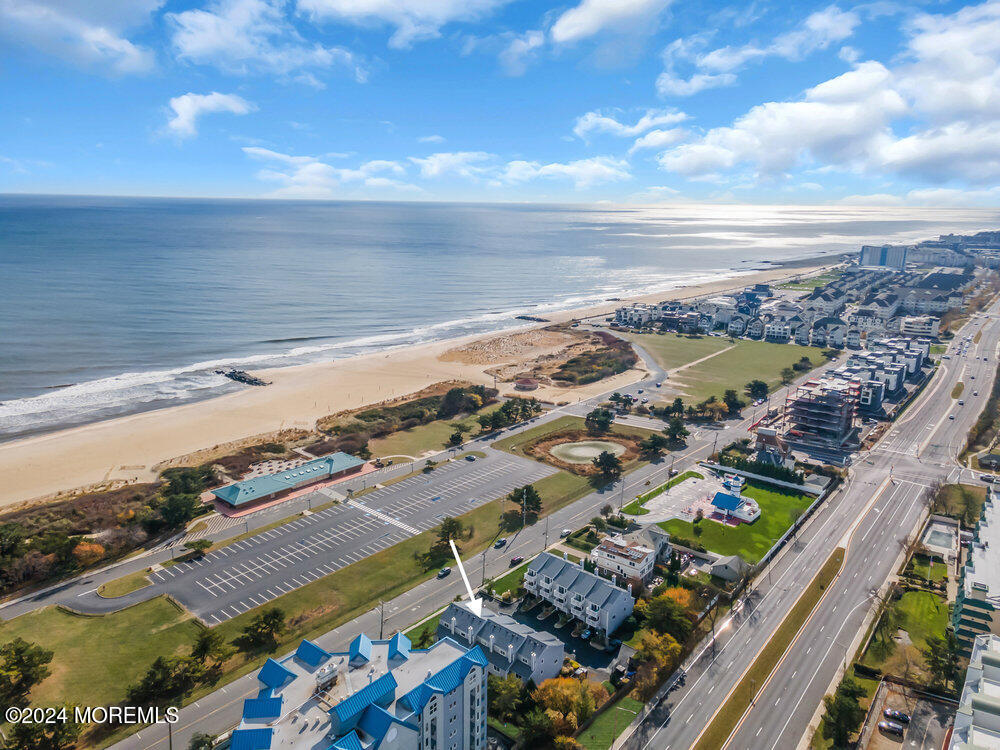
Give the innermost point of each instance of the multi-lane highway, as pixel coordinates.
(878, 508)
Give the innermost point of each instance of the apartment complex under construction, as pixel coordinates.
(820, 414)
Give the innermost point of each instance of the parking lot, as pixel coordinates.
(930, 720)
(254, 571)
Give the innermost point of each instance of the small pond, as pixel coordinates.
(585, 451)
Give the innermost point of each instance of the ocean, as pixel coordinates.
(109, 306)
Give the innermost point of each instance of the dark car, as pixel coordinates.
(892, 713)
(891, 727)
(499, 543)
(516, 559)
(444, 572)
(470, 457)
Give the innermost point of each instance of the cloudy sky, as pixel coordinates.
(632, 101)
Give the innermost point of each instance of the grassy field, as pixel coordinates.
(778, 510)
(432, 436)
(611, 723)
(124, 585)
(96, 658)
(962, 501)
(807, 285)
(510, 581)
(672, 350)
(732, 710)
(921, 614)
(748, 361)
(928, 568)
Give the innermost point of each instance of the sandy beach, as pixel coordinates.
(129, 448)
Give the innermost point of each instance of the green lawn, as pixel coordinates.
(430, 626)
(611, 723)
(748, 361)
(672, 350)
(510, 581)
(926, 567)
(956, 392)
(124, 585)
(636, 506)
(778, 510)
(432, 436)
(807, 285)
(97, 658)
(961, 501)
(921, 614)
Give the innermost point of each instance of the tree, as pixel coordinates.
(607, 510)
(787, 375)
(677, 407)
(87, 553)
(599, 523)
(201, 741)
(609, 465)
(59, 735)
(675, 429)
(264, 629)
(11, 540)
(715, 409)
(527, 499)
(732, 401)
(198, 546)
(570, 700)
(756, 389)
(449, 529)
(537, 729)
(803, 364)
(456, 438)
(211, 646)
(662, 650)
(504, 696)
(942, 658)
(22, 666)
(177, 510)
(599, 421)
(665, 615)
(654, 445)
(843, 712)
(167, 681)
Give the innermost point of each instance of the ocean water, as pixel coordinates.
(111, 306)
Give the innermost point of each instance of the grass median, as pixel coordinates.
(730, 713)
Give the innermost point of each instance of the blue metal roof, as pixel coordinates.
(349, 741)
(725, 501)
(375, 722)
(351, 707)
(311, 654)
(250, 739)
(273, 674)
(361, 648)
(319, 468)
(445, 680)
(262, 708)
(399, 645)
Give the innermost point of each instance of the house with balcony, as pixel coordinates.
(510, 646)
(598, 603)
(617, 556)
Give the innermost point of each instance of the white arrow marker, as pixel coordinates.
(474, 604)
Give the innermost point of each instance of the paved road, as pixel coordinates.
(878, 508)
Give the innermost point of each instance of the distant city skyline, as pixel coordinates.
(638, 101)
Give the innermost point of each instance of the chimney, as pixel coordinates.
(630, 588)
(453, 625)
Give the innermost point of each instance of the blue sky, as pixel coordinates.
(630, 101)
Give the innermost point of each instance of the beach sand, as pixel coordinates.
(130, 448)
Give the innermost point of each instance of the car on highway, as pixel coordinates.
(951, 416)
(961, 402)
(516, 559)
(973, 377)
(499, 543)
(891, 727)
(988, 478)
(945, 356)
(659, 384)
(896, 715)
(975, 393)
(445, 571)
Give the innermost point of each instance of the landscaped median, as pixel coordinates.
(731, 712)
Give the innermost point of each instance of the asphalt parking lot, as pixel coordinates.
(928, 727)
(252, 572)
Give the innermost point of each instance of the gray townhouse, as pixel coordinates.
(510, 646)
(587, 597)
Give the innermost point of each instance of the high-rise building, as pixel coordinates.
(378, 695)
(884, 256)
(820, 413)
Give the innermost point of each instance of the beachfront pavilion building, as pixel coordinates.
(378, 695)
(273, 486)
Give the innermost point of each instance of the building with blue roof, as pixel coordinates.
(736, 506)
(273, 486)
(377, 695)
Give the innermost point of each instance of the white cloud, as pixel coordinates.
(592, 17)
(431, 139)
(872, 199)
(189, 107)
(844, 121)
(244, 35)
(584, 173)
(461, 163)
(521, 50)
(88, 33)
(596, 122)
(309, 177)
(658, 139)
(412, 19)
(718, 66)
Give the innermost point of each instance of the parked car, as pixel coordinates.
(500, 543)
(444, 572)
(891, 727)
(586, 634)
(975, 393)
(961, 402)
(565, 533)
(674, 472)
(892, 713)
(659, 384)
(516, 559)
(470, 457)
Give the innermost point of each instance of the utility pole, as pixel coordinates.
(715, 442)
(381, 619)
(546, 543)
(483, 582)
(170, 736)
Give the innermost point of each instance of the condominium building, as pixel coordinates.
(511, 647)
(975, 611)
(920, 325)
(820, 413)
(977, 720)
(884, 256)
(378, 695)
(585, 596)
(625, 559)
